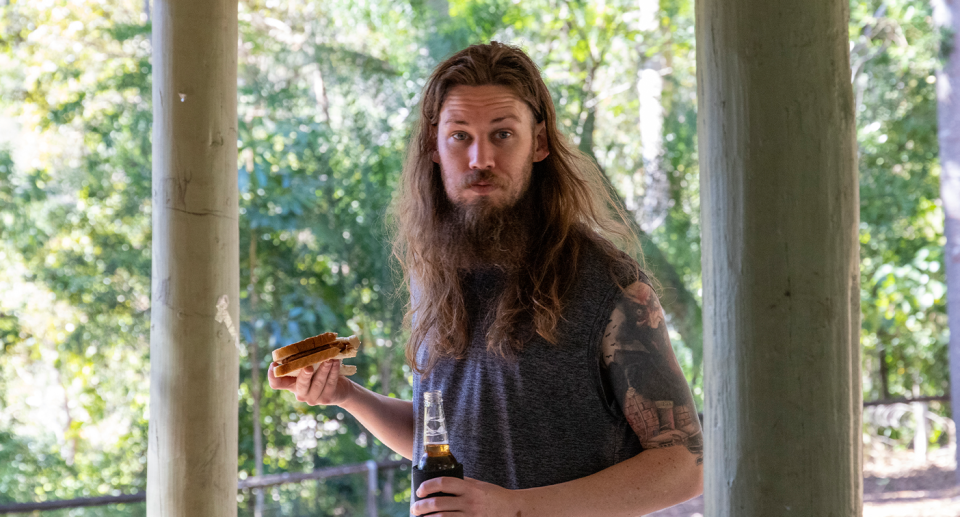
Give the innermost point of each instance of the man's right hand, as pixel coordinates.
(389, 419)
(322, 387)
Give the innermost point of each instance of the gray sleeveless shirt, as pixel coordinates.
(546, 416)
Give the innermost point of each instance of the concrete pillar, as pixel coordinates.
(192, 456)
(780, 204)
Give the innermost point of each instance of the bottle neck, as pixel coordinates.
(436, 448)
(434, 424)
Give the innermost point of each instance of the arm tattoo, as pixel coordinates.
(646, 376)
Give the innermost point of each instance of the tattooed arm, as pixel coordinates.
(646, 376)
(656, 399)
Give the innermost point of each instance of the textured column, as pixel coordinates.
(192, 459)
(780, 204)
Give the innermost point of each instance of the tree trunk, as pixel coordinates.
(653, 206)
(946, 17)
(655, 203)
(780, 204)
(192, 452)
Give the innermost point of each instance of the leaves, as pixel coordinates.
(327, 95)
(901, 231)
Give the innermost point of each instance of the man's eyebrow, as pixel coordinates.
(494, 121)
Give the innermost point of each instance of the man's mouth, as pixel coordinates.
(480, 182)
(481, 187)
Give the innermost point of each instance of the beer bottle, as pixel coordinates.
(436, 460)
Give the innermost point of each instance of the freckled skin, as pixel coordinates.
(487, 142)
(646, 376)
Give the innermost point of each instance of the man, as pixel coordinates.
(561, 391)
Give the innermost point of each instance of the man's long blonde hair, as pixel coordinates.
(572, 201)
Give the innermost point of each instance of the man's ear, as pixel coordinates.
(435, 155)
(542, 149)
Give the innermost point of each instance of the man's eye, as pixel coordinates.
(459, 136)
(504, 134)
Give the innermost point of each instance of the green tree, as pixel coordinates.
(904, 329)
(328, 95)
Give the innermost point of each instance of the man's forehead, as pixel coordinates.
(482, 104)
(466, 118)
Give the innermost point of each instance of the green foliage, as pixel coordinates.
(903, 290)
(327, 97)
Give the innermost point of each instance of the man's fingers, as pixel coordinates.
(279, 383)
(446, 484)
(304, 378)
(436, 504)
(333, 374)
(313, 384)
(317, 386)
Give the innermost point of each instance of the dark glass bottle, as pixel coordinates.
(436, 460)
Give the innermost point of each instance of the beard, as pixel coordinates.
(483, 234)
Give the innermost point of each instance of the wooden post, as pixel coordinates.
(920, 438)
(192, 454)
(780, 204)
(372, 485)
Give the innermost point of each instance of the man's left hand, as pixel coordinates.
(470, 498)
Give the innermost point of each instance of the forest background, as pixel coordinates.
(327, 97)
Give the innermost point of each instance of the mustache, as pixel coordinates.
(479, 176)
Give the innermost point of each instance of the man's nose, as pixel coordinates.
(481, 155)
